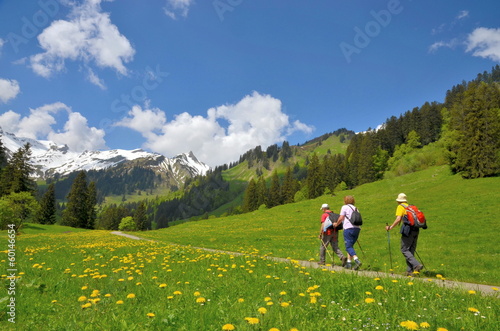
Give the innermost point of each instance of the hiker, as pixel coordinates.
(409, 236)
(329, 236)
(351, 232)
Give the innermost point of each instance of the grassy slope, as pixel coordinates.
(459, 243)
(32, 228)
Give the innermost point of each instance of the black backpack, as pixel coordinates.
(334, 218)
(356, 218)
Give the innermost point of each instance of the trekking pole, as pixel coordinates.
(326, 248)
(418, 255)
(362, 251)
(389, 242)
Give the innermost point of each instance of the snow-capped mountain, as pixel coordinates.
(50, 159)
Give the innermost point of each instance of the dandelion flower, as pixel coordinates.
(394, 280)
(87, 305)
(240, 300)
(53, 301)
(409, 325)
(442, 329)
(177, 292)
(369, 300)
(130, 296)
(376, 278)
(201, 300)
(313, 300)
(228, 327)
(472, 292)
(252, 320)
(119, 302)
(494, 288)
(285, 304)
(196, 294)
(267, 299)
(368, 293)
(84, 287)
(474, 310)
(410, 283)
(274, 329)
(294, 329)
(262, 310)
(378, 287)
(425, 325)
(82, 298)
(282, 293)
(151, 315)
(162, 285)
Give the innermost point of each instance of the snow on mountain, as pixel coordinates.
(50, 159)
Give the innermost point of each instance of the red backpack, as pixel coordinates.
(414, 217)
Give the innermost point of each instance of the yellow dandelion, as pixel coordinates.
(131, 296)
(82, 298)
(494, 288)
(294, 329)
(262, 310)
(410, 283)
(425, 325)
(107, 295)
(282, 293)
(228, 327)
(240, 300)
(376, 278)
(270, 303)
(409, 325)
(170, 297)
(201, 300)
(150, 315)
(378, 287)
(474, 310)
(274, 329)
(177, 292)
(472, 292)
(368, 293)
(87, 305)
(285, 304)
(313, 300)
(394, 280)
(442, 329)
(252, 320)
(121, 280)
(84, 287)
(369, 300)
(162, 285)
(53, 301)
(267, 299)
(119, 302)
(196, 294)
(302, 294)
(138, 283)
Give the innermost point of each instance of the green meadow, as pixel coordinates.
(68, 279)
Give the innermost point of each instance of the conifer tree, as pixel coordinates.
(16, 175)
(140, 217)
(289, 186)
(275, 198)
(314, 179)
(250, 199)
(90, 205)
(261, 192)
(48, 208)
(76, 213)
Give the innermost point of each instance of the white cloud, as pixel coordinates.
(38, 125)
(78, 135)
(94, 79)
(463, 14)
(256, 119)
(89, 36)
(485, 43)
(449, 44)
(9, 89)
(173, 8)
(2, 42)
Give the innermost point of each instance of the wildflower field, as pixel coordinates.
(94, 280)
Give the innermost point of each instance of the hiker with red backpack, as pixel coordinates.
(329, 235)
(412, 220)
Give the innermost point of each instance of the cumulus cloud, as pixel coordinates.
(38, 125)
(174, 8)
(9, 89)
(87, 35)
(256, 119)
(485, 43)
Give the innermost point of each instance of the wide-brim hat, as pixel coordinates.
(401, 197)
(325, 205)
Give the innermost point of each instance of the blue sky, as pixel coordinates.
(218, 77)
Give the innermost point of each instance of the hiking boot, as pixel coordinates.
(348, 265)
(418, 268)
(358, 264)
(344, 261)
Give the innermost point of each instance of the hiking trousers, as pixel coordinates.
(408, 248)
(333, 240)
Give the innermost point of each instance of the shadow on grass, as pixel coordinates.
(32, 227)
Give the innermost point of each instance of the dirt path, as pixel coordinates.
(485, 289)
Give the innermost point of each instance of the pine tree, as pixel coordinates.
(315, 187)
(16, 175)
(3, 155)
(289, 186)
(250, 198)
(262, 192)
(48, 208)
(76, 213)
(275, 198)
(90, 205)
(140, 217)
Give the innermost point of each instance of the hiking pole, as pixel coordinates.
(326, 248)
(362, 251)
(418, 255)
(389, 242)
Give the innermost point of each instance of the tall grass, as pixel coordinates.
(96, 281)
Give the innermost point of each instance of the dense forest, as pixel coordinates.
(463, 132)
